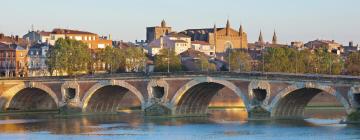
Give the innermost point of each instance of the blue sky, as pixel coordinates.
(127, 19)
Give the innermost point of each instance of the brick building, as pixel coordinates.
(13, 60)
(221, 38)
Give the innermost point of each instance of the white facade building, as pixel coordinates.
(178, 42)
(37, 60)
(204, 47)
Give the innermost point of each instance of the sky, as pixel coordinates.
(293, 20)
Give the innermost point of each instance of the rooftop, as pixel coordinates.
(68, 31)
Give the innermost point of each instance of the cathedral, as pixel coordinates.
(221, 38)
(153, 33)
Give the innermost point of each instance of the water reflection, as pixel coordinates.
(231, 123)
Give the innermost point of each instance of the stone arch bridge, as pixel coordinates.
(273, 95)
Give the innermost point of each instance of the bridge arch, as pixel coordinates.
(292, 100)
(29, 96)
(194, 97)
(118, 86)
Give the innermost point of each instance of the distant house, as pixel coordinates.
(13, 60)
(93, 40)
(350, 48)
(331, 46)
(13, 40)
(174, 41)
(203, 47)
(37, 56)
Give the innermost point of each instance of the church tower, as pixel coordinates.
(163, 24)
(153, 33)
(274, 39)
(261, 40)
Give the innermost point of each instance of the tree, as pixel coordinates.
(239, 60)
(69, 56)
(352, 64)
(202, 63)
(112, 57)
(135, 59)
(167, 59)
(290, 60)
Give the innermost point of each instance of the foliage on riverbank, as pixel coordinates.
(354, 117)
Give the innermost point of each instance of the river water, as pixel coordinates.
(220, 125)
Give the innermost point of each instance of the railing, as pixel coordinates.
(239, 75)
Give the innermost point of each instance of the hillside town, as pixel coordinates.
(210, 49)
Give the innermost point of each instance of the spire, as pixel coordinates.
(227, 24)
(274, 40)
(228, 27)
(215, 29)
(261, 40)
(241, 30)
(163, 23)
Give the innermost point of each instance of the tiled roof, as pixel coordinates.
(200, 42)
(192, 53)
(4, 46)
(12, 39)
(44, 33)
(67, 31)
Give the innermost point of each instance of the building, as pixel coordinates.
(93, 40)
(176, 41)
(203, 47)
(331, 46)
(37, 36)
(297, 45)
(221, 38)
(13, 60)
(13, 40)
(350, 48)
(153, 33)
(37, 56)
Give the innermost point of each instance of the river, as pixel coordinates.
(229, 124)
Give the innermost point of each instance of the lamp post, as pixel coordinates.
(229, 53)
(263, 59)
(168, 66)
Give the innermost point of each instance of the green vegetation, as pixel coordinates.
(293, 61)
(353, 63)
(68, 56)
(239, 60)
(112, 57)
(167, 58)
(354, 117)
(203, 64)
(134, 59)
(73, 57)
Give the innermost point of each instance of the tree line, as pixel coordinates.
(73, 57)
(318, 61)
